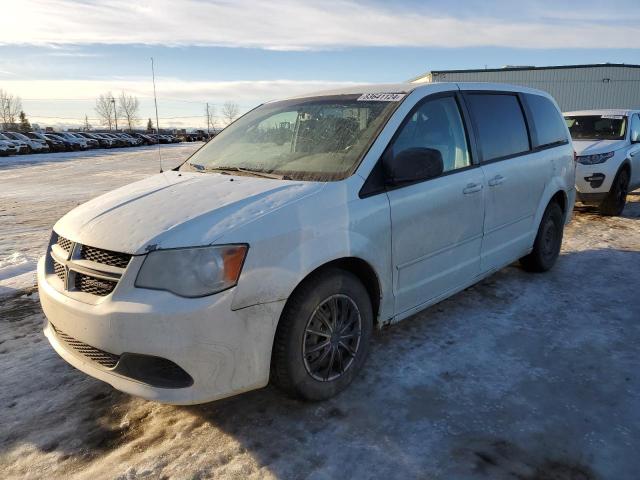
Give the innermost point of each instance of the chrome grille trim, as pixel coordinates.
(86, 269)
(106, 359)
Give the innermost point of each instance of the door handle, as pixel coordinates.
(497, 180)
(472, 188)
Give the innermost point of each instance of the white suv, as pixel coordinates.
(607, 144)
(274, 251)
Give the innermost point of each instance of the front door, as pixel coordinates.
(436, 224)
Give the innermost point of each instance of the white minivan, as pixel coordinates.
(607, 144)
(275, 250)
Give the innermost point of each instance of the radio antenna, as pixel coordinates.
(155, 101)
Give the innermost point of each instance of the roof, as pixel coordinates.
(410, 87)
(610, 111)
(363, 88)
(525, 68)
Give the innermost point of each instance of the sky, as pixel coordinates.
(59, 55)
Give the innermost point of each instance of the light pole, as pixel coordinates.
(115, 113)
(208, 117)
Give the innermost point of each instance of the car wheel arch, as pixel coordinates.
(363, 270)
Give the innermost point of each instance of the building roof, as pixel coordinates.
(528, 67)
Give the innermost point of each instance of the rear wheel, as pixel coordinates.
(614, 204)
(546, 246)
(323, 336)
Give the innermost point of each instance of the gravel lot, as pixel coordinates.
(522, 376)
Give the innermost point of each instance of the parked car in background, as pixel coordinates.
(33, 145)
(145, 138)
(272, 253)
(7, 148)
(81, 141)
(91, 142)
(20, 145)
(103, 140)
(68, 145)
(54, 145)
(607, 144)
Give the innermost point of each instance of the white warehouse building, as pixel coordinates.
(575, 87)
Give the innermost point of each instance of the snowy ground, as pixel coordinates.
(36, 190)
(522, 376)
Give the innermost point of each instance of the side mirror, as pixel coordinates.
(412, 165)
(635, 137)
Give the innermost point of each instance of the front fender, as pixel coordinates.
(309, 234)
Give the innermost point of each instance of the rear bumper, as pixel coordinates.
(225, 352)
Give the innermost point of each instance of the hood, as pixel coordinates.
(591, 147)
(177, 209)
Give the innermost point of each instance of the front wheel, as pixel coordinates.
(614, 204)
(546, 246)
(323, 336)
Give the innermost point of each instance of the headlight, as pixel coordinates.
(193, 272)
(593, 159)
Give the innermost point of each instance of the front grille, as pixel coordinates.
(87, 278)
(106, 359)
(64, 243)
(59, 269)
(106, 257)
(95, 286)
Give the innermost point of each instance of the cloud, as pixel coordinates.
(246, 92)
(181, 102)
(295, 25)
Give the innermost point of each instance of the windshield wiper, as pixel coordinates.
(257, 173)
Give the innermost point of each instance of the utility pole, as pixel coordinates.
(115, 112)
(208, 117)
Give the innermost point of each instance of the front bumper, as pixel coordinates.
(225, 352)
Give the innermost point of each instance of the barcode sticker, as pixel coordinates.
(381, 97)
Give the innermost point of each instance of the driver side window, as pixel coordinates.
(437, 125)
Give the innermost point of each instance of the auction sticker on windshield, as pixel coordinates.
(381, 97)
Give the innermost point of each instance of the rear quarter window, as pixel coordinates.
(550, 127)
(500, 124)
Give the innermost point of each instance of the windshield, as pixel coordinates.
(597, 127)
(319, 139)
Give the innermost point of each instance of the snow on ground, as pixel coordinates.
(523, 376)
(36, 190)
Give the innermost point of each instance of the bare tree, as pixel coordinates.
(129, 107)
(10, 108)
(105, 108)
(86, 125)
(230, 111)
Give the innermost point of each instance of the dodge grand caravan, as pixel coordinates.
(607, 143)
(275, 249)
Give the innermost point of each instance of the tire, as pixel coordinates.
(614, 204)
(299, 364)
(546, 247)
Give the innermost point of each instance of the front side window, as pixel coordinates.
(318, 139)
(502, 130)
(437, 125)
(597, 127)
